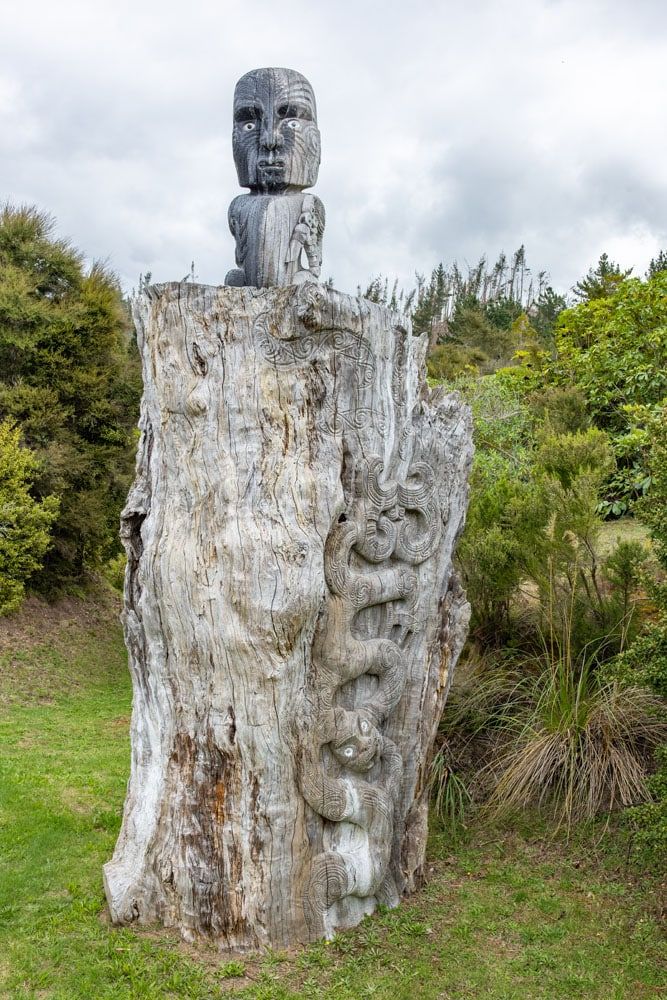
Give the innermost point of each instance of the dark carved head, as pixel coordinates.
(275, 139)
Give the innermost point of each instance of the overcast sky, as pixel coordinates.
(449, 129)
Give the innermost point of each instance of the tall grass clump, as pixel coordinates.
(552, 728)
(450, 796)
(580, 745)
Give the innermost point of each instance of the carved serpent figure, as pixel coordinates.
(350, 772)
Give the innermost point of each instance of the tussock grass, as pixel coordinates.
(548, 731)
(549, 728)
(582, 746)
(450, 797)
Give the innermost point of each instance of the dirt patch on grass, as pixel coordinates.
(38, 622)
(78, 801)
(122, 723)
(51, 649)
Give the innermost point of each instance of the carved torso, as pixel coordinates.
(278, 239)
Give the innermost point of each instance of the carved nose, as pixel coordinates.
(270, 137)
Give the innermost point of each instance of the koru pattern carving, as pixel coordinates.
(325, 335)
(349, 771)
(278, 228)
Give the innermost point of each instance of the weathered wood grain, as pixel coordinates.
(291, 611)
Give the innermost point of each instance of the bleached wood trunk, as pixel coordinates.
(291, 611)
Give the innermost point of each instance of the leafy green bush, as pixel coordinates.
(69, 378)
(562, 408)
(613, 349)
(566, 708)
(649, 821)
(592, 600)
(471, 328)
(584, 457)
(645, 662)
(113, 571)
(503, 544)
(653, 509)
(24, 522)
(447, 362)
(505, 536)
(533, 527)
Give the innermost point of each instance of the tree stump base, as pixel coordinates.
(291, 612)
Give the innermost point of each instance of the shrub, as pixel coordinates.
(645, 662)
(114, 571)
(653, 508)
(24, 522)
(503, 543)
(592, 600)
(561, 408)
(613, 349)
(69, 378)
(649, 821)
(448, 361)
(471, 328)
(552, 730)
(585, 456)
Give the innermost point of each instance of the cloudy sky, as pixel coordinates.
(449, 129)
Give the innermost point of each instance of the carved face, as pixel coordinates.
(275, 139)
(358, 750)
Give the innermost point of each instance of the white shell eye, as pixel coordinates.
(293, 123)
(249, 126)
(349, 751)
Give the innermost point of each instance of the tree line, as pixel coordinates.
(567, 659)
(70, 379)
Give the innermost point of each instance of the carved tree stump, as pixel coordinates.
(291, 612)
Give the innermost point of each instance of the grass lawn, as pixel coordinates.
(509, 915)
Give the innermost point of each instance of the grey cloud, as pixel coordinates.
(448, 130)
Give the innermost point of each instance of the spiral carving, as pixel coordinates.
(350, 772)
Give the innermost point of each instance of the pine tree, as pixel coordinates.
(657, 264)
(601, 281)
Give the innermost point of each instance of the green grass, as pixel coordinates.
(508, 915)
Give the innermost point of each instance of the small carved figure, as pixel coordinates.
(277, 227)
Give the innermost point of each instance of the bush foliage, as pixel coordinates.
(25, 523)
(69, 380)
(613, 349)
(566, 704)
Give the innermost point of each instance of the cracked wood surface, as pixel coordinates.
(291, 612)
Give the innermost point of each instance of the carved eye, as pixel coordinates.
(348, 751)
(293, 123)
(248, 126)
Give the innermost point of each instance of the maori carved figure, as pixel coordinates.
(292, 613)
(350, 771)
(277, 227)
